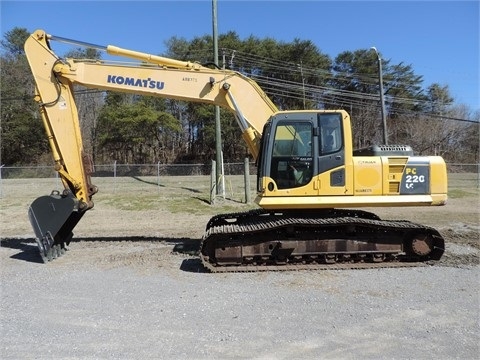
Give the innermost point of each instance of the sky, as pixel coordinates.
(439, 39)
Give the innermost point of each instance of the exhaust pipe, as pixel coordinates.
(53, 218)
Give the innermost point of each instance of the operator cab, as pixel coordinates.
(296, 146)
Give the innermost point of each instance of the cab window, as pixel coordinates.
(292, 160)
(331, 133)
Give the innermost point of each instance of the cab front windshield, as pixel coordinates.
(292, 154)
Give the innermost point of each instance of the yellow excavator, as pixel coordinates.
(310, 180)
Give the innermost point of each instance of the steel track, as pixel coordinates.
(383, 243)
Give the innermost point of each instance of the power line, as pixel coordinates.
(291, 89)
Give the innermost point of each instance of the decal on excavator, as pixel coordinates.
(130, 81)
(416, 177)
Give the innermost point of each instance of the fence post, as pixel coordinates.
(213, 182)
(1, 187)
(247, 180)
(158, 175)
(222, 175)
(115, 176)
(57, 180)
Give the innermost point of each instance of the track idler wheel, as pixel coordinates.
(422, 245)
(427, 246)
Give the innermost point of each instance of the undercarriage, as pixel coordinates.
(263, 240)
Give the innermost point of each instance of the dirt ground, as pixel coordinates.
(177, 212)
(123, 291)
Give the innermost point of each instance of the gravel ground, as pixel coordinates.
(143, 301)
(118, 295)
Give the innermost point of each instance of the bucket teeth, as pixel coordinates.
(49, 250)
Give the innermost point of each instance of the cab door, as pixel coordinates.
(331, 176)
(288, 151)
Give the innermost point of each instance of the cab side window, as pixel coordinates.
(331, 133)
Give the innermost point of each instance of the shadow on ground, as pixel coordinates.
(28, 250)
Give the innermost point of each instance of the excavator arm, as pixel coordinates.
(54, 217)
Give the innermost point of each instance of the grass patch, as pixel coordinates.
(190, 195)
(462, 193)
(178, 194)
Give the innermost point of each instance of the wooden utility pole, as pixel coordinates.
(218, 129)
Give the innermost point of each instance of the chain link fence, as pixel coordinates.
(472, 171)
(115, 169)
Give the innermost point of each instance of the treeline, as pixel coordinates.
(296, 75)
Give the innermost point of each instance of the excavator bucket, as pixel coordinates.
(53, 218)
